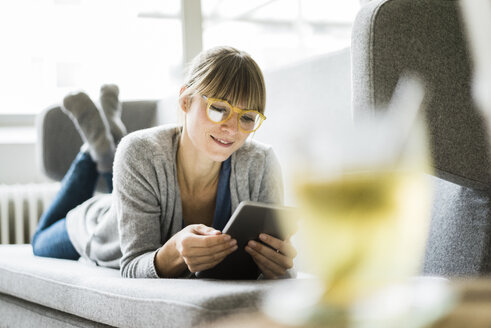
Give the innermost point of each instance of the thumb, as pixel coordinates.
(202, 229)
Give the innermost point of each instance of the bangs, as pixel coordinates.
(238, 81)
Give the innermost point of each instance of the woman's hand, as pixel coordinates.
(202, 247)
(273, 264)
(197, 247)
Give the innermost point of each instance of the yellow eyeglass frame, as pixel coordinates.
(237, 110)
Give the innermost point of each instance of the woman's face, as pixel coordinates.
(216, 141)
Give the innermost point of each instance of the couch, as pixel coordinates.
(51, 293)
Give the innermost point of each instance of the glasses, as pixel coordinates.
(219, 111)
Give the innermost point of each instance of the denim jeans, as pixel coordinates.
(51, 236)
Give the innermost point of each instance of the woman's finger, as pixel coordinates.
(204, 241)
(289, 250)
(266, 272)
(202, 229)
(212, 257)
(266, 263)
(274, 256)
(200, 266)
(285, 247)
(191, 251)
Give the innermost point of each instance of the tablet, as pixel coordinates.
(248, 221)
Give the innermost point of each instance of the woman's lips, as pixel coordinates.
(222, 142)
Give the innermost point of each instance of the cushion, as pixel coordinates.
(459, 242)
(425, 37)
(59, 141)
(16, 312)
(101, 295)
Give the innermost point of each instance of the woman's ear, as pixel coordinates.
(183, 99)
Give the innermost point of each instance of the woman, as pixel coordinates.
(175, 187)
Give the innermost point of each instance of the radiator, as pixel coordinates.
(21, 205)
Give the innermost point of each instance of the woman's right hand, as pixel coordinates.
(202, 247)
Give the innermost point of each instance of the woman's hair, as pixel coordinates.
(229, 74)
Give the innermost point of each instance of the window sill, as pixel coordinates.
(17, 135)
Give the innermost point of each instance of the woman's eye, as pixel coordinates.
(218, 109)
(247, 119)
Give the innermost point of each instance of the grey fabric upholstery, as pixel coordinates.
(59, 141)
(460, 231)
(74, 290)
(16, 312)
(426, 37)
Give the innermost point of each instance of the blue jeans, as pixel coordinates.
(78, 185)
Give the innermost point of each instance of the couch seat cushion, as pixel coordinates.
(101, 295)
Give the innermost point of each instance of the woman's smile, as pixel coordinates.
(222, 142)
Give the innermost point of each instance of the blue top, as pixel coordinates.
(223, 207)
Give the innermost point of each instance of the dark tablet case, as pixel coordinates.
(253, 219)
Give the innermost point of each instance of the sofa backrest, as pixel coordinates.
(426, 37)
(59, 141)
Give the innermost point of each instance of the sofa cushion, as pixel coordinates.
(101, 295)
(425, 37)
(59, 140)
(18, 313)
(459, 240)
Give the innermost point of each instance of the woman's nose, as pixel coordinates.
(231, 124)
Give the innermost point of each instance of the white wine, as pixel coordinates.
(363, 230)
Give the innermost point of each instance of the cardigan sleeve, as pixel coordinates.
(138, 211)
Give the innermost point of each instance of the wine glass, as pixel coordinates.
(363, 198)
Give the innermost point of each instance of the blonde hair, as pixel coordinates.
(229, 74)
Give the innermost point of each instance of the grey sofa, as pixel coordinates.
(426, 37)
(38, 292)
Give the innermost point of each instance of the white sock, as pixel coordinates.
(92, 127)
(112, 110)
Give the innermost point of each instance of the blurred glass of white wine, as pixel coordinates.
(364, 199)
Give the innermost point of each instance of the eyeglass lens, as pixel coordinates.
(219, 111)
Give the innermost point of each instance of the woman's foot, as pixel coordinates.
(112, 110)
(92, 127)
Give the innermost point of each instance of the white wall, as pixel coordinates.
(18, 163)
(301, 97)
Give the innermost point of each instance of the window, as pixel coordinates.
(52, 47)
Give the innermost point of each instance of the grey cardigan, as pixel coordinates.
(126, 228)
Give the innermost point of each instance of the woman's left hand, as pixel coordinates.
(273, 264)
